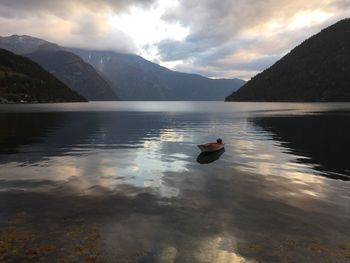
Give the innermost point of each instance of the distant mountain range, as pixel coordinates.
(66, 66)
(134, 78)
(22, 80)
(129, 76)
(316, 70)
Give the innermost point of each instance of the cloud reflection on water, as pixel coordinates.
(139, 183)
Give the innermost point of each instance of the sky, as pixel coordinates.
(214, 38)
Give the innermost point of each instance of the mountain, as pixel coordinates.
(21, 44)
(66, 66)
(75, 73)
(130, 76)
(316, 70)
(22, 80)
(134, 78)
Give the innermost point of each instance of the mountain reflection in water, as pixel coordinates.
(120, 182)
(319, 139)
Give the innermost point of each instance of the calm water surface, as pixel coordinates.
(124, 182)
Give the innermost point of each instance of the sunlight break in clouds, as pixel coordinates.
(146, 27)
(307, 19)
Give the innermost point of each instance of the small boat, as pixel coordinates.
(212, 146)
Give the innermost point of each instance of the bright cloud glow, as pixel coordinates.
(146, 27)
(307, 19)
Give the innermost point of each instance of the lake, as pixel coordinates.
(125, 182)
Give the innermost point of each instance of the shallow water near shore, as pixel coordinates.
(125, 182)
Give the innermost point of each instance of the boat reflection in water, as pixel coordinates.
(209, 157)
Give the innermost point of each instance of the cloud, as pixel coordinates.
(74, 23)
(64, 8)
(244, 35)
(215, 38)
